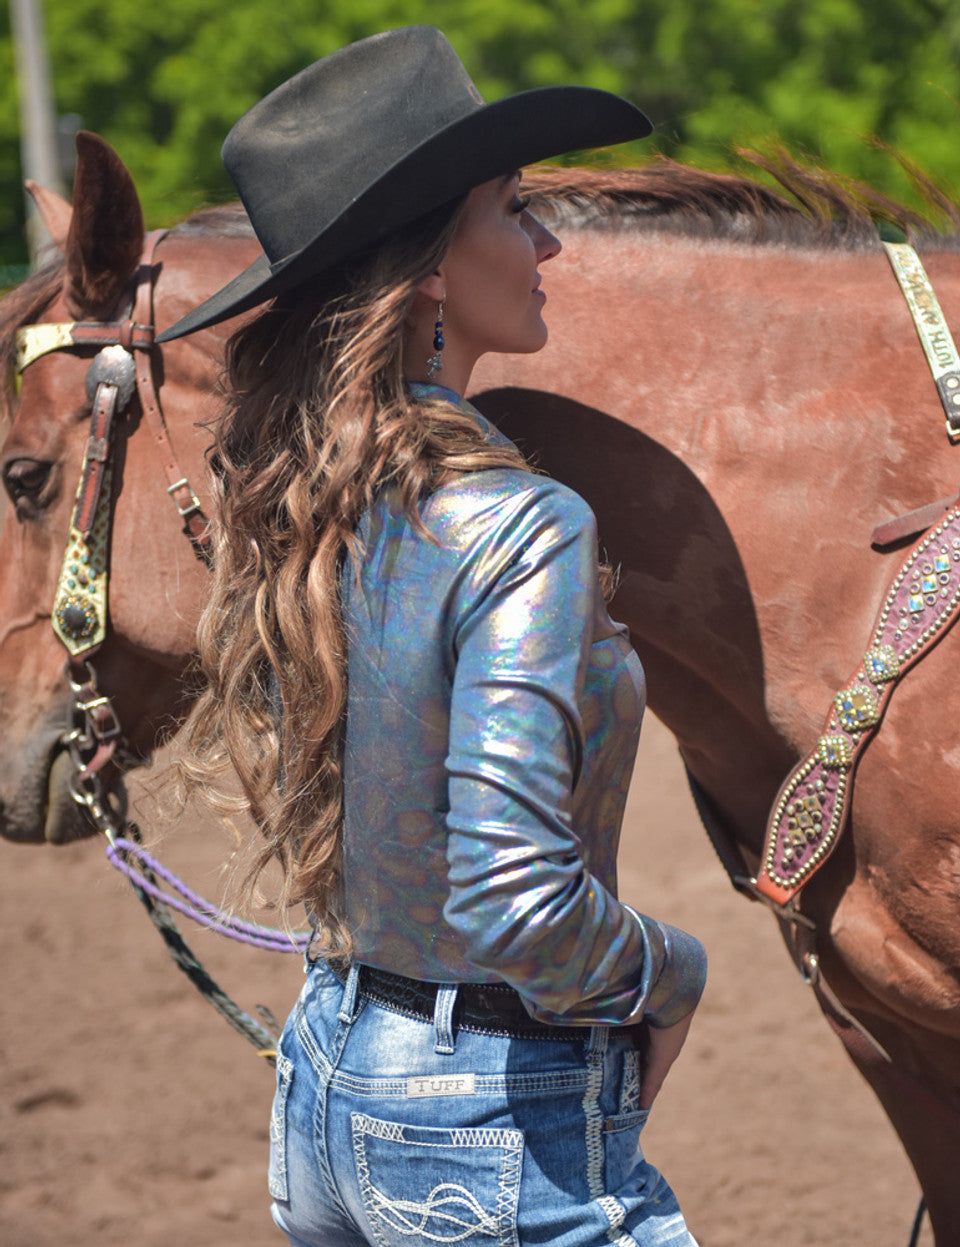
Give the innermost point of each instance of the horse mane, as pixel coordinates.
(23, 305)
(824, 211)
(223, 221)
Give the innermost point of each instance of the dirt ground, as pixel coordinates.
(130, 1114)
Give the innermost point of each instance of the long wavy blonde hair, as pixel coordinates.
(318, 420)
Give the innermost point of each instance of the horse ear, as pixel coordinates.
(105, 237)
(54, 211)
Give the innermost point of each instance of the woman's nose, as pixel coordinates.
(546, 244)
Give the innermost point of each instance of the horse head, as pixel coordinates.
(156, 582)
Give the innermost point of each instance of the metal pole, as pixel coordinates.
(38, 126)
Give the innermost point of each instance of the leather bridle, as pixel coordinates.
(123, 367)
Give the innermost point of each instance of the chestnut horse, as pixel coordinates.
(735, 386)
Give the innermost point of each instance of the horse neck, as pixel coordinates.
(790, 396)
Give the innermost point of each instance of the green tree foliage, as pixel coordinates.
(163, 83)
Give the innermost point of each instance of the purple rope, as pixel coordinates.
(198, 908)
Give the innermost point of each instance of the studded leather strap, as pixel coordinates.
(811, 808)
(96, 457)
(34, 341)
(196, 526)
(136, 336)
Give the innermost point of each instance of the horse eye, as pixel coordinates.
(24, 481)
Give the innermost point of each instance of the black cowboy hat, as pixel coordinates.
(374, 136)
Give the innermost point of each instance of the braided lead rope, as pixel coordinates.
(196, 907)
(263, 1040)
(88, 792)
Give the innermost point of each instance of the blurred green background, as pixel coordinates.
(163, 83)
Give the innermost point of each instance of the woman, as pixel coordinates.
(413, 672)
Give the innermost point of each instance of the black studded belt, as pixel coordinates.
(490, 1008)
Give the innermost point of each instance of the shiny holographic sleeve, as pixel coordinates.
(522, 898)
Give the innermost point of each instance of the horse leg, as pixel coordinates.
(917, 1086)
(929, 1130)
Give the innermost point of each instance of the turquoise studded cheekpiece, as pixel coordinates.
(80, 602)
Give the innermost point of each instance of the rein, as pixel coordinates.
(121, 369)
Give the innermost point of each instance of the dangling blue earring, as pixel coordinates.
(435, 362)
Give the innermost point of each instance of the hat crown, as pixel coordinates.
(373, 137)
(404, 86)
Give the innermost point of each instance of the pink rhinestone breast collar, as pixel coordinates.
(811, 808)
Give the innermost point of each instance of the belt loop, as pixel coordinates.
(348, 1006)
(597, 1046)
(443, 1018)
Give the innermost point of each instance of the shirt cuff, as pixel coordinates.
(679, 985)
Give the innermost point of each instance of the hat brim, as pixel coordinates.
(498, 137)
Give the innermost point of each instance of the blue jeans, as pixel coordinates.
(397, 1132)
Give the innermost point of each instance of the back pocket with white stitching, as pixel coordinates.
(427, 1184)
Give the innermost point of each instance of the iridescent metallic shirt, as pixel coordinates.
(493, 718)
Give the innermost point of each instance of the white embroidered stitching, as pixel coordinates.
(616, 1214)
(410, 1216)
(447, 1202)
(593, 1127)
(363, 1169)
(481, 1137)
(508, 1195)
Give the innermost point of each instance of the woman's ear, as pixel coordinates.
(422, 313)
(433, 287)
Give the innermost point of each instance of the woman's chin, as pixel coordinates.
(534, 341)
